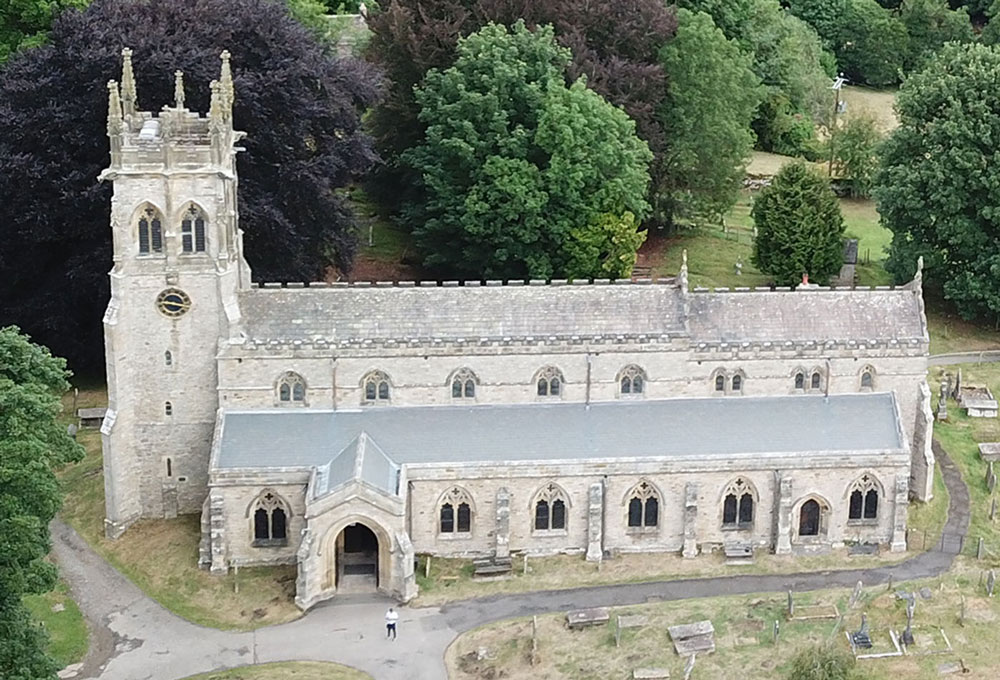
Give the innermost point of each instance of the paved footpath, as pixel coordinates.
(134, 638)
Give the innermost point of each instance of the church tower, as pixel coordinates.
(178, 267)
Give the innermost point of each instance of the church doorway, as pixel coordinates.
(809, 517)
(357, 559)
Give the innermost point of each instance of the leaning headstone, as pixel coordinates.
(957, 392)
(942, 409)
(979, 544)
(855, 596)
(991, 581)
(689, 666)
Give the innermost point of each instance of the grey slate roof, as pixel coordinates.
(818, 315)
(710, 427)
(356, 312)
(361, 459)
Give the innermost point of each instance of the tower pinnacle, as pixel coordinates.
(129, 98)
(178, 89)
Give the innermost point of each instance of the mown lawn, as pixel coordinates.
(63, 622)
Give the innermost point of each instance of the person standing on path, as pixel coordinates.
(391, 617)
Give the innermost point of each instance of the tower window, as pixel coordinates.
(193, 231)
(168, 358)
(150, 232)
(168, 409)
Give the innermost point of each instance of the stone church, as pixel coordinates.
(345, 428)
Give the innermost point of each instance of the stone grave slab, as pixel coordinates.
(990, 451)
(863, 549)
(582, 618)
(693, 638)
(650, 674)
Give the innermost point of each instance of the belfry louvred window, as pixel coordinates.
(150, 231)
(193, 231)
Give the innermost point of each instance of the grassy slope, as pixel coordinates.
(161, 556)
(308, 670)
(66, 628)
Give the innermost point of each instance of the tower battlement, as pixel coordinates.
(175, 138)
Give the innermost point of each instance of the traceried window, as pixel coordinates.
(549, 382)
(550, 509)
(150, 231)
(193, 230)
(643, 507)
(863, 503)
(270, 520)
(376, 388)
(291, 389)
(455, 515)
(738, 505)
(631, 381)
(463, 384)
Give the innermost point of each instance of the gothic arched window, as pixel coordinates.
(463, 384)
(800, 380)
(738, 505)
(816, 380)
(737, 383)
(193, 230)
(720, 383)
(291, 389)
(863, 504)
(455, 514)
(270, 520)
(631, 381)
(867, 379)
(550, 509)
(168, 358)
(549, 382)
(376, 386)
(643, 507)
(150, 231)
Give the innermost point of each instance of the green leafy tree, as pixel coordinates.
(854, 148)
(799, 227)
(929, 25)
(513, 160)
(604, 249)
(938, 184)
(873, 44)
(731, 16)
(711, 99)
(991, 33)
(822, 663)
(32, 444)
(825, 16)
(25, 23)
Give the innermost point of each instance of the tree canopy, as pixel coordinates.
(938, 185)
(514, 163)
(25, 23)
(32, 444)
(300, 106)
(799, 227)
(614, 44)
(712, 97)
(854, 149)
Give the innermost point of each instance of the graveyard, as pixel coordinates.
(953, 626)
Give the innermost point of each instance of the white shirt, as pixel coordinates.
(391, 616)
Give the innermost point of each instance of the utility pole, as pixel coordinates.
(838, 83)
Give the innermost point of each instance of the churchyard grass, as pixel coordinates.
(451, 579)
(960, 436)
(306, 670)
(950, 333)
(743, 636)
(928, 519)
(63, 622)
(161, 556)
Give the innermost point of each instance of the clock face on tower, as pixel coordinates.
(173, 302)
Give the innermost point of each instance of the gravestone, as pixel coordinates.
(862, 637)
(855, 596)
(775, 631)
(791, 605)
(582, 618)
(693, 638)
(991, 581)
(689, 666)
(942, 409)
(911, 606)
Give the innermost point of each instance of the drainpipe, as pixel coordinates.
(826, 392)
(588, 380)
(334, 379)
